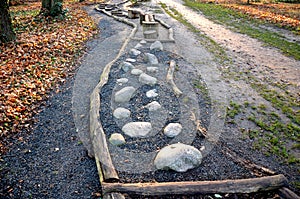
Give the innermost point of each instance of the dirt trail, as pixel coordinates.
(240, 45)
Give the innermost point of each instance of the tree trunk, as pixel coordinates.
(52, 7)
(6, 31)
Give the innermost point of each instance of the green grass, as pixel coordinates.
(242, 23)
(233, 110)
(274, 135)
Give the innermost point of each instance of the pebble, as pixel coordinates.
(136, 71)
(122, 81)
(152, 93)
(126, 66)
(157, 45)
(153, 106)
(130, 60)
(121, 113)
(138, 46)
(178, 157)
(147, 79)
(172, 130)
(124, 94)
(135, 52)
(152, 69)
(152, 59)
(117, 139)
(137, 129)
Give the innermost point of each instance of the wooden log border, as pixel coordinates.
(108, 175)
(250, 185)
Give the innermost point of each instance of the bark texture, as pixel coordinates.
(52, 7)
(6, 31)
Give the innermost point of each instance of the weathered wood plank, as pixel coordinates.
(287, 193)
(99, 143)
(224, 186)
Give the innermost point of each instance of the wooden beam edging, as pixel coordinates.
(250, 185)
(106, 169)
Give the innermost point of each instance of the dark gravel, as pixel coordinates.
(50, 162)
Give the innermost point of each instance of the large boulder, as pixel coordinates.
(178, 157)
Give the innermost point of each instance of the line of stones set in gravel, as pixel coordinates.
(178, 157)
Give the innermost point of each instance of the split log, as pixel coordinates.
(204, 187)
(99, 143)
(170, 79)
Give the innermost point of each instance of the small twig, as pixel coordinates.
(199, 127)
(256, 169)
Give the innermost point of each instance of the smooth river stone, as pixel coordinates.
(178, 157)
(124, 94)
(137, 129)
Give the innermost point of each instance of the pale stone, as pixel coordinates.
(121, 113)
(126, 66)
(136, 71)
(153, 106)
(122, 81)
(138, 46)
(135, 52)
(172, 129)
(147, 79)
(124, 94)
(137, 129)
(130, 60)
(143, 42)
(152, 93)
(152, 69)
(178, 157)
(152, 59)
(156, 46)
(117, 139)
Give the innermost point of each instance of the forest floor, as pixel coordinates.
(261, 86)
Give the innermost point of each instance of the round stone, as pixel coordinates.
(130, 60)
(147, 79)
(172, 129)
(153, 106)
(157, 45)
(126, 66)
(117, 139)
(152, 59)
(138, 46)
(152, 93)
(136, 71)
(152, 69)
(121, 113)
(135, 52)
(122, 81)
(137, 129)
(124, 94)
(178, 157)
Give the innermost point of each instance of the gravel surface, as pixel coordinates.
(51, 162)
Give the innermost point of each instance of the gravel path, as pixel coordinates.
(51, 162)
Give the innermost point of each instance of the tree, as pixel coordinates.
(6, 31)
(52, 7)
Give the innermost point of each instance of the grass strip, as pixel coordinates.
(242, 23)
